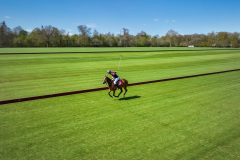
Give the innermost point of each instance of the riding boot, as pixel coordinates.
(116, 86)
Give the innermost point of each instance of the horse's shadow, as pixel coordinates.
(129, 98)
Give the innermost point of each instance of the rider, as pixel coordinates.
(114, 74)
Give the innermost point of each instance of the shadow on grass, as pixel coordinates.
(129, 98)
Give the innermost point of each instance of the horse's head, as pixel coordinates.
(104, 80)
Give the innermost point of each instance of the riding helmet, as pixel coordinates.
(108, 71)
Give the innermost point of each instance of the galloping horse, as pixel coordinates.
(122, 83)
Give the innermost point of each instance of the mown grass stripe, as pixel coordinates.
(104, 88)
(115, 51)
(169, 79)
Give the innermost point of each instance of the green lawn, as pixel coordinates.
(100, 49)
(194, 118)
(34, 75)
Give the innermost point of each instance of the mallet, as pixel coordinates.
(119, 62)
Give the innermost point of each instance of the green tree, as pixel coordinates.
(19, 41)
(223, 39)
(211, 39)
(142, 39)
(36, 38)
(235, 40)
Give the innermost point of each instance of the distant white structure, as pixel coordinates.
(190, 45)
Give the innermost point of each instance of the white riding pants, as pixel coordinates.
(116, 80)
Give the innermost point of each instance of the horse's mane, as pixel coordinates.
(108, 78)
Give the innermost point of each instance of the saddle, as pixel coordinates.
(119, 81)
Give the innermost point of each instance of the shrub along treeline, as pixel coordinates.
(49, 36)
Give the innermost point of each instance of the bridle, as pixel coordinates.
(105, 81)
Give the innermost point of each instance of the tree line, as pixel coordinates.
(49, 36)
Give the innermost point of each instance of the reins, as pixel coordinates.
(108, 82)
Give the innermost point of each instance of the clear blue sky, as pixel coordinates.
(152, 16)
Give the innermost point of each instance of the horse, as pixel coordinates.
(122, 83)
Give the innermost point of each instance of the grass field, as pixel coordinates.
(100, 49)
(33, 75)
(195, 118)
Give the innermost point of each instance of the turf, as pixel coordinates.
(94, 49)
(34, 75)
(195, 118)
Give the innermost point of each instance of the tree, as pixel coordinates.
(196, 39)
(57, 38)
(36, 38)
(17, 30)
(235, 40)
(109, 40)
(67, 40)
(6, 35)
(171, 34)
(74, 40)
(84, 30)
(49, 36)
(204, 41)
(211, 39)
(186, 40)
(126, 39)
(154, 41)
(19, 41)
(95, 39)
(85, 33)
(47, 33)
(3, 34)
(223, 39)
(142, 39)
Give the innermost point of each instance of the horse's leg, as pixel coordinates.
(120, 92)
(109, 93)
(125, 92)
(114, 93)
